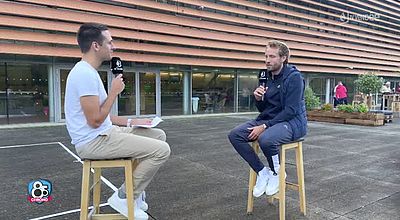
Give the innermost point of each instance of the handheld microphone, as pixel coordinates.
(116, 66)
(262, 79)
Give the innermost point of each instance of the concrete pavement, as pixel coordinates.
(352, 172)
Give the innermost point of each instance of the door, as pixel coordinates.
(148, 89)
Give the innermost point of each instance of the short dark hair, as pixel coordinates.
(283, 49)
(89, 33)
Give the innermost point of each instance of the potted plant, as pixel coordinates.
(312, 101)
(368, 84)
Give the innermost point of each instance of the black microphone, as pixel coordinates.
(262, 79)
(116, 66)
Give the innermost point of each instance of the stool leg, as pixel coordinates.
(96, 190)
(282, 185)
(252, 182)
(300, 177)
(85, 190)
(129, 188)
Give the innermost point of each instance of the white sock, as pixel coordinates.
(275, 160)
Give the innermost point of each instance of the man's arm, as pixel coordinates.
(95, 113)
(124, 121)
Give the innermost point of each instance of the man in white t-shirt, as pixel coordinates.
(98, 135)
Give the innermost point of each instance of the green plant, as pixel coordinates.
(368, 83)
(312, 101)
(363, 108)
(346, 108)
(327, 107)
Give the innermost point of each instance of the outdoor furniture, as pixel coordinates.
(129, 165)
(297, 145)
(387, 114)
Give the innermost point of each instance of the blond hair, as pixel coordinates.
(283, 49)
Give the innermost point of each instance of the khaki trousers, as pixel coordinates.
(146, 144)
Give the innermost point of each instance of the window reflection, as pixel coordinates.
(24, 96)
(171, 92)
(215, 90)
(248, 82)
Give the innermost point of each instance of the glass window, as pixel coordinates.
(318, 86)
(28, 99)
(248, 82)
(214, 88)
(127, 98)
(147, 93)
(3, 97)
(171, 93)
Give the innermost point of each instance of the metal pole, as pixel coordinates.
(7, 112)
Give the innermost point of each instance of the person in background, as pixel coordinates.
(385, 89)
(398, 88)
(340, 94)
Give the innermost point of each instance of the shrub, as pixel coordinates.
(346, 108)
(327, 107)
(368, 83)
(363, 108)
(312, 101)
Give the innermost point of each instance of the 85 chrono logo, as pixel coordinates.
(39, 191)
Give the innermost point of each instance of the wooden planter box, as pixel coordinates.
(355, 118)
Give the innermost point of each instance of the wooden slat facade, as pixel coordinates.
(228, 33)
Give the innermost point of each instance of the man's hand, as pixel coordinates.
(117, 85)
(255, 132)
(259, 92)
(141, 121)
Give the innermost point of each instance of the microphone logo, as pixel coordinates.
(262, 77)
(116, 65)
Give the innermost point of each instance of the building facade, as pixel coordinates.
(190, 56)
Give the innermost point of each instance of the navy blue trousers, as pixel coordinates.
(270, 141)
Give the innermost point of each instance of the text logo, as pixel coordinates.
(346, 17)
(119, 63)
(39, 191)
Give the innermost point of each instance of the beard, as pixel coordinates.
(273, 68)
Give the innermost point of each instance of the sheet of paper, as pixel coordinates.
(154, 123)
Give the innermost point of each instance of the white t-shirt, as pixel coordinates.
(83, 80)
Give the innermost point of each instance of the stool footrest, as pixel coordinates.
(108, 217)
(292, 186)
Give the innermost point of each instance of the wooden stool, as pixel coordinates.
(297, 145)
(129, 165)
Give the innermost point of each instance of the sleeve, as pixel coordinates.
(260, 105)
(87, 84)
(294, 92)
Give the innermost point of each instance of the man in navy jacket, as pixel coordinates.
(282, 118)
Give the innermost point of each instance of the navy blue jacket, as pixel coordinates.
(285, 101)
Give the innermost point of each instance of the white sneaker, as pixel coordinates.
(141, 201)
(273, 183)
(121, 206)
(261, 182)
